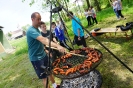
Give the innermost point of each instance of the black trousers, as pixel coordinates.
(120, 14)
(63, 43)
(94, 20)
(89, 20)
(80, 42)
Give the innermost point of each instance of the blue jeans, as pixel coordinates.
(116, 12)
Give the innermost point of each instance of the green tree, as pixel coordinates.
(88, 3)
(9, 34)
(24, 28)
(96, 3)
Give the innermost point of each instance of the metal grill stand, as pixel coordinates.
(91, 80)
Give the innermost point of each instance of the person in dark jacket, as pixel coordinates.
(46, 33)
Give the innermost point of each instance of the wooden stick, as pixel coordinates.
(77, 54)
(70, 52)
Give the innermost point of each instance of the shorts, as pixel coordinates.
(37, 67)
(80, 42)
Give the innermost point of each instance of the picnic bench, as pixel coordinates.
(110, 31)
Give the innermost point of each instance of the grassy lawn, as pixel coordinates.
(16, 70)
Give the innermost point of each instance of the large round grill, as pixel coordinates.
(71, 66)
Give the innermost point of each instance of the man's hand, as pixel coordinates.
(48, 53)
(45, 41)
(79, 38)
(61, 49)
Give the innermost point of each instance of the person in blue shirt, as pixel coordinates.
(36, 52)
(78, 31)
(59, 33)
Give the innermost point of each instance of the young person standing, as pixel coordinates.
(93, 14)
(78, 31)
(46, 33)
(120, 8)
(115, 8)
(59, 33)
(88, 17)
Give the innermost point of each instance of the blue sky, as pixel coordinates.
(14, 13)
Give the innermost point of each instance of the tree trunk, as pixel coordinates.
(97, 5)
(79, 9)
(108, 3)
(88, 3)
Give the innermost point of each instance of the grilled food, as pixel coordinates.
(69, 67)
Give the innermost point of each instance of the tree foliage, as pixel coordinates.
(97, 4)
(9, 34)
(24, 28)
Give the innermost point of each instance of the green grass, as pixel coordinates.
(16, 70)
(20, 46)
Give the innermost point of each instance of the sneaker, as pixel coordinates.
(118, 18)
(124, 18)
(58, 86)
(86, 36)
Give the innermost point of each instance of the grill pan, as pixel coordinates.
(75, 60)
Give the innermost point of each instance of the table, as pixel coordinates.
(111, 30)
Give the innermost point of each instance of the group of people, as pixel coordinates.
(117, 7)
(90, 15)
(38, 41)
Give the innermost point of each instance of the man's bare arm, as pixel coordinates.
(78, 32)
(45, 41)
(55, 40)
